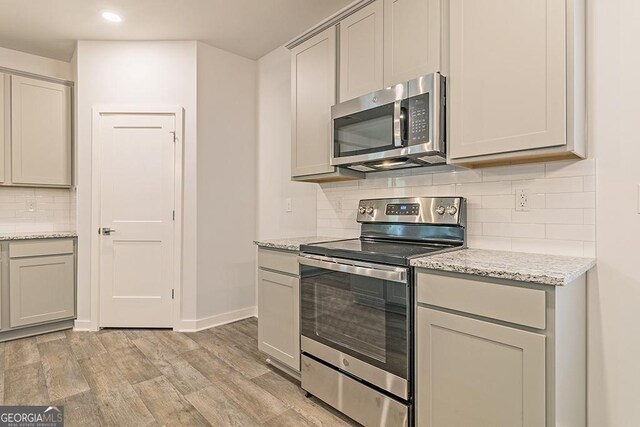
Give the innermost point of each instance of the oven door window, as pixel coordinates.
(361, 316)
(365, 132)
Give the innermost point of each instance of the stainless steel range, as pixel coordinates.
(357, 306)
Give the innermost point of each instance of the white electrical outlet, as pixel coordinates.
(288, 205)
(522, 199)
(338, 204)
(31, 205)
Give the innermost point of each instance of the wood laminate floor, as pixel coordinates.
(141, 377)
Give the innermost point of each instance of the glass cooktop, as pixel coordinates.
(380, 251)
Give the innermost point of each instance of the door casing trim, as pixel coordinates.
(96, 174)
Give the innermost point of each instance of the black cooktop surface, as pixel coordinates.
(380, 251)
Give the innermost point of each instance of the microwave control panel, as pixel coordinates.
(418, 120)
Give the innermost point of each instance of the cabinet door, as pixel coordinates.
(41, 289)
(279, 317)
(475, 373)
(4, 98)
(40, 132)
(507, 76)
(313, 92)
(411, 39)
(361, 52)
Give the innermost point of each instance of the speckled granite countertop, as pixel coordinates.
(38, 235)
(293, 243)
(534, 268)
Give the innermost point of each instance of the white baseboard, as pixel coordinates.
(196, 325)
(84, 326)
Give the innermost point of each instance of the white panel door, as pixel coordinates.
(137, 202)
(475, 373)
(507, 76)
(40, 132)
(361, 52)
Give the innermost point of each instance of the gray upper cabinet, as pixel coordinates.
(411, 39)
(4, 100)
(361, 52)
(516, 83)
(313, 89)
(313, 92)
(41, 282)
(40, 133)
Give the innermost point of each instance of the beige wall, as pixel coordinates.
(274, 156)
(614, 287)
(136, 74)
(226, 164)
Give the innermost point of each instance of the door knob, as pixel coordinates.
(106, 231)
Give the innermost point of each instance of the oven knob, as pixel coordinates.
(451, 210)
(362, 210)
(440, 210)
(369, 210)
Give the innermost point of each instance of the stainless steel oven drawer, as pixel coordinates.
(354, 399)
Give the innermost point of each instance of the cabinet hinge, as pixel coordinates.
(175, 138)
(173, 293)
(174, 215)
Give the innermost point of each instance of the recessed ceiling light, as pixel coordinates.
(111, 17)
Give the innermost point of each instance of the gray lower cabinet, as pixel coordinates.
(39, 290)
(279, 307)
(477, 373)
(499, 353)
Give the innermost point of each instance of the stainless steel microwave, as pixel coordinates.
(399, 127)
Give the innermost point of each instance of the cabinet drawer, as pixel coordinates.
(521, 306)
(40, 247)
(284, 261)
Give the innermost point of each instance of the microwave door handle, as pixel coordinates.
(398, 125)
(391, 274)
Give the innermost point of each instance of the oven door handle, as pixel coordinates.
(392, 274)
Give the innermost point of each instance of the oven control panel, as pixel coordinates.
(402, 209)
(414, 210)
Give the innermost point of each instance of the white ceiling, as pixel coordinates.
(250, 28)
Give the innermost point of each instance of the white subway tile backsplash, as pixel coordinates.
(484, 188)
(571, 232)
(571, 200)
(589, 216)
(489, 215)
(54, 209)
(570, 168)
(549, 216)
(589, 183)
(560, 217)
(458, 176)
(504, 201)
(533, 231)
(514, 172)
(546, 246)
(489, 242)
(552, 185)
